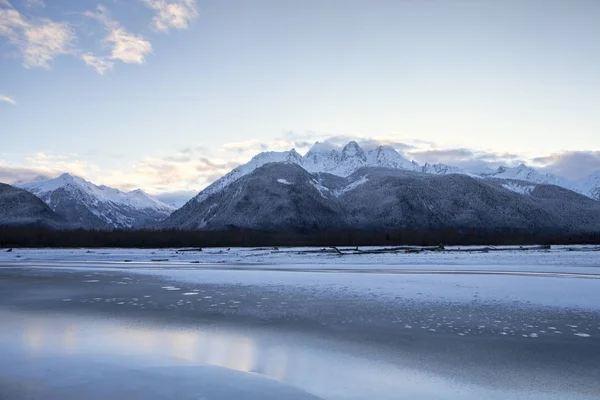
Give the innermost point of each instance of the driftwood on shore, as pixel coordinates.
(440, 248)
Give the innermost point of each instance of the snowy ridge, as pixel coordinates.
(321, 158)
(137, 199)
(528, 174)
(70, 195)
(286, 157)
(326, 158)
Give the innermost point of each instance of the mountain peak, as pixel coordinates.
(352, 149)
(65, 177)
(321, 147)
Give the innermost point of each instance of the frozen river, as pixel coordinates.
(290, 323)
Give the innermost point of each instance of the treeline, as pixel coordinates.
(40, 237)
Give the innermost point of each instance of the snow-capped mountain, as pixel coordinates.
(321, 158)
(590, 186)
(97, 207)
(443, 169)
(285, 197)
(21, 208)
(528, 174)
(324, 158)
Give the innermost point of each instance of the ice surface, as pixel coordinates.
(548, 277)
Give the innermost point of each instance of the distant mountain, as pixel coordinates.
(86, 205)
(590, 186)
(21, 208)
(176, 199)
(528, 174)
(284, 196)
(443, 169)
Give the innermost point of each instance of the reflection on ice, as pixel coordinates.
(52, 349)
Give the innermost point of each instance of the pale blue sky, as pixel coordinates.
(519, 77)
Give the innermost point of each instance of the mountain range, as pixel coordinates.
(332, 188)
(85, 205)
(323, 158)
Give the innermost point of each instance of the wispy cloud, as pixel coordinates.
(124, 46)
(472, 160)
(7, 99)
(570, 164)
(176, 14)
(100, 64)
(39, 40)
(12, 174)
(46, 40)
(45, 165)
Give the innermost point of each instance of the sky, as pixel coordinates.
(168, 95)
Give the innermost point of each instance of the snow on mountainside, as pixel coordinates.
(528, 174)
(286, 157)
(326, 158)
(321, 158)
(92, 206)
(590, 186)
(286, 197)
(443, 169)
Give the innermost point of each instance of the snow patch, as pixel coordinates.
(352, 186)
(518, 188)
(284, 181)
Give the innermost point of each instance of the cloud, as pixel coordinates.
(100, 64)
(571, 164)
(245, 146)
(177, 198)
(59, 163)
(475, 161)
(175, 14)
(45, 165)
(124, 46)
(127, 47)
(7, 99)
(443, 155)
(11, 174)
(39, 40)
(45, 41)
